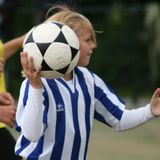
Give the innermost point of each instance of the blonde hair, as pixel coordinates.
(71, 18)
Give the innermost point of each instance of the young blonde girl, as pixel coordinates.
(55, 116)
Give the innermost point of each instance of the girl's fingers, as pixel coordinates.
(31, 69)
(24, 61)
(27, 64)
(156, 93)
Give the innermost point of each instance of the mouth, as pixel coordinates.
(89, 53)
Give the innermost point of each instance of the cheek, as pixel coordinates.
(83, 59)
(82, 53)
(82, 49)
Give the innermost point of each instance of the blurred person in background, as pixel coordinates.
(7, 103)
(7, 109)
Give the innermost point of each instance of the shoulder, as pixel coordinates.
(84, 75)
(84, 71)
(25, 82)
(88, 74)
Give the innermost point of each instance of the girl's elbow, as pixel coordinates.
(32, 135)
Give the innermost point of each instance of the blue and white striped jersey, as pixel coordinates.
(55, 122)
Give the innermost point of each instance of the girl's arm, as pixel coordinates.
(133, 118)
(32, 119)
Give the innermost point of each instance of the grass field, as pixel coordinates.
(141, 143)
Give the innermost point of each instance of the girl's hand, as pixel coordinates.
(32, 74)
(155, 103)
(2, 64)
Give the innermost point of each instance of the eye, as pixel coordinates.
(88, 40)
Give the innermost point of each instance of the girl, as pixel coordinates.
(55, 116)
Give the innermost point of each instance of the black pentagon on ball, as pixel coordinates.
(61, 38)
(43, 47)
(45, 66)
(74, 52)
(63, 70)
(29, 39)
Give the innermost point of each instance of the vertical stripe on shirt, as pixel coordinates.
(26, 93)
(46, 104)
(60, 121)
(87, 100)
(77, 137)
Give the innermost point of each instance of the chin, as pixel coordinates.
(83, 64)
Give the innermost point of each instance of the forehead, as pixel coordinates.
(84, 32)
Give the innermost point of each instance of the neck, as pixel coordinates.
(69, 76)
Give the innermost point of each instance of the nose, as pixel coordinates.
(93, 45)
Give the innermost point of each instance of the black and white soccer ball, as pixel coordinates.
(54, 46)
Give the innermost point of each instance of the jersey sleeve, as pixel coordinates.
(30, 117)
(134, 117)
(108, 106)
(110, 109)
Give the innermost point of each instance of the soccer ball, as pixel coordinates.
(54, 46)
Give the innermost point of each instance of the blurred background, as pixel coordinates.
(127, 58)
(128, 48)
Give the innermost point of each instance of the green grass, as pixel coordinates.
(141, 143)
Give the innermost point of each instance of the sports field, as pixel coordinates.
(142, 143)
